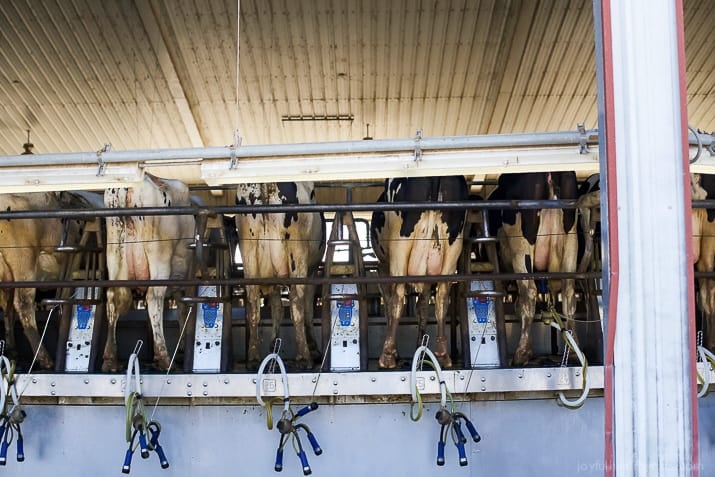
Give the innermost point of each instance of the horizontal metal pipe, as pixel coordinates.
(564, 138)
(298, 281)
(278, 208)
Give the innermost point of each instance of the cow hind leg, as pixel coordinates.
(8, 314)
(422, 311)
(155, 309)
(25, 306)
(441, 305)
(253, 315)
(315, 353)
(303, 358)
(118, 303)
(393, 310)
(525, 305)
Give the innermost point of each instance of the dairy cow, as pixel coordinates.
(533, 240)
(154, 247)
(280, 245)
(28, 253)
(418, 242)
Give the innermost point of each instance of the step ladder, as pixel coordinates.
(483, 330)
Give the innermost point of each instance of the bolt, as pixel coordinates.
(548, 375)
(52, 384)
(335, 391)
(483, 378)
(402, 378)
(335, 383)
(206, 384)
(373, 379)
(34, 380)
(484, 388)
(113, 381)
(188, 385)
(53, 393)
(315, 380)
(431, 378)
(168, 381)
(461, 377)
(188, 393)
(86, 381)
(226, 381)
(206, 393)
(254, 380)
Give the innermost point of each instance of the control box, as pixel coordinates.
(79, 339)
(345, 328)
(208, 334)
(482, 318)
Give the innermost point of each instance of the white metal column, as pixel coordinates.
(652, 381)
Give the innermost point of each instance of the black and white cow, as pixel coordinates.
(418, 242)
(280, 245)
(532, 240)
(152, 247)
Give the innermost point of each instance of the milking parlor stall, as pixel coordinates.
(357, 237)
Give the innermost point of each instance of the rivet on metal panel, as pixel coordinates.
(431, 378)
(402, 378)
(226, 381)
(53, 393)
(188, 393)
(373, 379)
(578, 372)
(548, 375)
(86, 381)
(206, 384)
(335, 391)
(521, 375)
(168, 381)
(206, 393)
(484, 388)
(461, 377)
(335, 382)
(52, 384)
(113, 381)
(188, 385)
(314, 380)
(254, 380)
(483, 378)
(34, 380)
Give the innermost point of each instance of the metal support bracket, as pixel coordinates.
(418, 145)
(711, 147)
(236, 143)
(583, 140)
(100, 162)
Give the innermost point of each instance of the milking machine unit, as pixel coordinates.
(11, 414)
(138, 431)
(288, 425)
(450, 420)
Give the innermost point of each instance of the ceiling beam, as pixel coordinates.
(151, 26)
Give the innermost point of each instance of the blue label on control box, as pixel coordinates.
(210, 311)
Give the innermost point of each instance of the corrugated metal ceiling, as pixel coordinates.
(162, 73)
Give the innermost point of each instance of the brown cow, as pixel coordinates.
(280, 245)
(152, 247)
(28, 253)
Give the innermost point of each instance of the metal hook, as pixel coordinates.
(700, 144)
(138, 347)
(276, 350)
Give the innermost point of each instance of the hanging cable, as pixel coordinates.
(10, 419)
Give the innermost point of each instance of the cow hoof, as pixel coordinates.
(252, 364)
(110, 366)
(387, 361)
(521, 357)
(303, 364)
